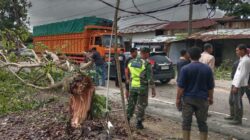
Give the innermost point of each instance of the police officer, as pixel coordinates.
(141, 78)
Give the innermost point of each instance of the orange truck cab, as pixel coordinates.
(73, 42)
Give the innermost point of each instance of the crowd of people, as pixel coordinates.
(195, 84)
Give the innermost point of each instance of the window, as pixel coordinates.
(159, 32)
(98, 40)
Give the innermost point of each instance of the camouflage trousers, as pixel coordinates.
(196, 106)
(139, 98)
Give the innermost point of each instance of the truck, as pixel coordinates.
(73, 37)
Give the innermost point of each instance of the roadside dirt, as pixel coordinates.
(50, 122)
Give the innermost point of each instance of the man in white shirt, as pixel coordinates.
(206, 57)
(240, 83)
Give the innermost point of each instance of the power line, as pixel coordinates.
(90, 11)
(134, 15)
(136, 7)
(139, 13)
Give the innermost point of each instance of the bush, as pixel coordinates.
(223, 72)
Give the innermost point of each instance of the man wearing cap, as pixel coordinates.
(206, 57)
(141, 78)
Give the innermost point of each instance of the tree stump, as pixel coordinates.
(82, 91)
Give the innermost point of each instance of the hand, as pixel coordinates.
(127, 95)
(178, 103)
(210, 101)
(153, 93)
(127, 81)
(235, 90)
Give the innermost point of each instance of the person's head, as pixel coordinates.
(241, 50)
(208, 48)
(145, 53)
(93, 49)
(133, 52)
(194, 53)
(121, 51)
(184, 54)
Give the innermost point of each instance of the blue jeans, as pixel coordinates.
(100, 75)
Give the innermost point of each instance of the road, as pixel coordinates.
(221, 96)
(167, 93)
(164, 105)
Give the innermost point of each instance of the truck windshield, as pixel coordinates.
(106, 41)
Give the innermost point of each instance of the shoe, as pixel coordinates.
(203, 136)
(139, 125)
(229, 118)
(235, 122)
(186, 135)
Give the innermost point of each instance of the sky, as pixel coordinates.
(49, 11)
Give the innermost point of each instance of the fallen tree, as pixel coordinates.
(76, 81)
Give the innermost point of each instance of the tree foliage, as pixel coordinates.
(14, 22)
(13, 13)
(233, 7)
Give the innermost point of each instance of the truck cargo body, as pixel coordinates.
(73, 43)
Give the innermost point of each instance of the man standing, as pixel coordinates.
(133, 53)
(184, 60)
(141, 78)
(206, 57)
(100, 67)
(196, 86)
(231, 97)
(122, 60)
(240, 84)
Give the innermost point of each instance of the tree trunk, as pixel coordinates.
(82, 91)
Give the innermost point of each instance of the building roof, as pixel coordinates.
(173, 25)
(222, 34)
(141, 28)
(196, 24)
(158, 39)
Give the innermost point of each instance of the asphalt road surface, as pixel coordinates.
(167, 93)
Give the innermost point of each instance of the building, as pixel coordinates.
(224, 42)
(224, 33)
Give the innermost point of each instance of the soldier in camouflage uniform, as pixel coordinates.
(141, 77)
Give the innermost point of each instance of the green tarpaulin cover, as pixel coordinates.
(70, 26)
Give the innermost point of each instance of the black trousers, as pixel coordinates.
(235, 102)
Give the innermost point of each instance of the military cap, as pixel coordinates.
(145, 50)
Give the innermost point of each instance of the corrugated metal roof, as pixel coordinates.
(141, 28)
(157, 39)
(222, 34)
(196, 24)
(173, 25)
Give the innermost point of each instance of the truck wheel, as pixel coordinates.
(165, 81)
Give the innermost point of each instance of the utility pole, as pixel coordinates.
(130, 137)
(190, 17)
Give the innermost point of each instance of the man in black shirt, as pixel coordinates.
(122, 60)
(100, 67)
(184, 60)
